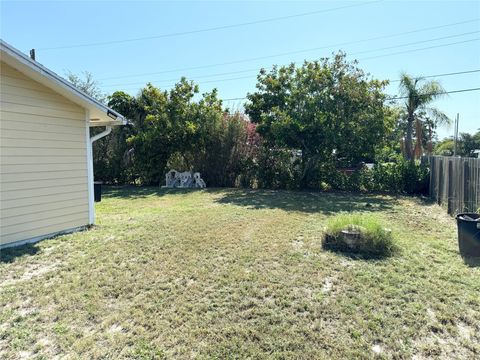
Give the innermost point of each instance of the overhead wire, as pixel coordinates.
(392, 98)
(420, 49)
(354, 53)
(438, 93)
(412, 50)
(395, 80)
(215, 28)
(294, 52)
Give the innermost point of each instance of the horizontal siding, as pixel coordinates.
(22, 125)
(43, 177)
(36, 224)
(38, 102)
(52, 227)
(44, 135)
(26, 142)
(43, 167)
(33, 184)
(32, 217)
(38, 200)
(34, 168)
(51, 190)
(6, 89)
(45, 206)
(30, 160)
(8, 80)
(36, 119)
(43, 111)
(39, 152)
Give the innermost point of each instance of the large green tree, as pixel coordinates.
(419, 94)
(329, 109)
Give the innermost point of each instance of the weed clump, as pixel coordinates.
(359, 234)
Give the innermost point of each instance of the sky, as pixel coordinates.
(223, 44)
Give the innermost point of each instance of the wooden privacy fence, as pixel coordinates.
(455, 181)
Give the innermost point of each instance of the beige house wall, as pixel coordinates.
(43, 160)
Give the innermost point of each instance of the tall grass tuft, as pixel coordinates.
(374, 240)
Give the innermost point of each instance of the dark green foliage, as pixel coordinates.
(223, 152)
(276, 169)
(110, 156)
(401, 176)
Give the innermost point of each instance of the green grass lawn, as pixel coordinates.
(240, 274)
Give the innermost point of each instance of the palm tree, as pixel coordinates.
(419, 94)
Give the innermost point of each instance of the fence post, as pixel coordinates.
(441, 181)
(455, 181)
(466, 188)
(433, 169)
(450, 188)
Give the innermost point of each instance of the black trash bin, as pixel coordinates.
(97, 191)
(469, 235)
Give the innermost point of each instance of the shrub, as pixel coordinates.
(275, 169)
(398, 176)
(401, 176)
(373, 239)
(221, 154)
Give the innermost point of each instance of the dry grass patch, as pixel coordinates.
(239, 274)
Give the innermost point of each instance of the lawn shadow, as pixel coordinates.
(9, 255)
(306, 201)
(356, 256)
(130, 192)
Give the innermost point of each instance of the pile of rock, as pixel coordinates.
(176, 179)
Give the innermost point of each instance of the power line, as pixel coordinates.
(214, 81)
(233, 99)
(418, 49)
(216, 28)
(354, 53)
(415, 42)
(294, 52)
(441, 75)
(439, 93)
(196, 77)
(396, 80)
(257, 69)
(392, 98)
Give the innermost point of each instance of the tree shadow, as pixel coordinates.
(130, 192)
(303, 201)
(306, 201)
(356, 256)
(8, 255)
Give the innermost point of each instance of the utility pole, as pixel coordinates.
(455, 135)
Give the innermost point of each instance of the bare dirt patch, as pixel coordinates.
(32, 271)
